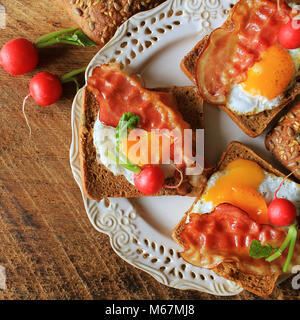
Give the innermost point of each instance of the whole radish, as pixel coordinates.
(46, 88)
(289, 35)
(281, 212)
(150, 180)
(20, 56)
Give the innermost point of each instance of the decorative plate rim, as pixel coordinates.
(131, 237)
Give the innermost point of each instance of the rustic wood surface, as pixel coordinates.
(47, 244)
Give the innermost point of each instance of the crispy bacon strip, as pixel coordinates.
(117, 93)
(225, 235)
(232, 49)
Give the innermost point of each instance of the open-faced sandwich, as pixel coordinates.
(116, 106)
(249, 66)
(244, 225)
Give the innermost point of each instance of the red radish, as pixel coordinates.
(45, 88)
(150, 180)
(18, 56)
(289, 35)
(281, 212)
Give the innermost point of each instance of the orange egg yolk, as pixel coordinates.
(270, 76)
(143, 149)
(239, 188)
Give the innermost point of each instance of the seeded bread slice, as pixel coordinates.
(99, 182)
(259, 284)
(99, 19)
(284, 140)
(252, 125)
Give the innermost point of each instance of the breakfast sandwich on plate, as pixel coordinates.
(120, 123)
(244, 224)
(249, 66)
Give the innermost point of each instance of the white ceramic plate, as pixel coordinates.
(153, 43)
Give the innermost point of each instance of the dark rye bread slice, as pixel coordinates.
(252, 125)
(259, 284)
(99, 182)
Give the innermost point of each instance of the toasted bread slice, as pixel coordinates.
(99, 182)
(252, 125)
(260, 285)
(283, 140)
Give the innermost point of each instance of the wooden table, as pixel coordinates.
(47, 244)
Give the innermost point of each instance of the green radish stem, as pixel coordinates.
(291, 248)
(70, 77)
(72, 36)
(52, 35)
(54, 41)
(284, 245)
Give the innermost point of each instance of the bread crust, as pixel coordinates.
(252, 125)
(100, 19)
(259, 285)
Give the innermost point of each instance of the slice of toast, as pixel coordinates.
(252, 125)
(284, 141)
(260, 285)
(99, 182)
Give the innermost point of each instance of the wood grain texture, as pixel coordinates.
(47, 244)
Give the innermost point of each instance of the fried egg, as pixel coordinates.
(244, 184)
(104, 139)
(266, 82)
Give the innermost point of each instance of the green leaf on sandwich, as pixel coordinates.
(258, 251)
(128, 121)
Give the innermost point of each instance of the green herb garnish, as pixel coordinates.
(258, 251)
(128, 121)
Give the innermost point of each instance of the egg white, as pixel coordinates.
(104, 138)
(290, 190)
(242, 102)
